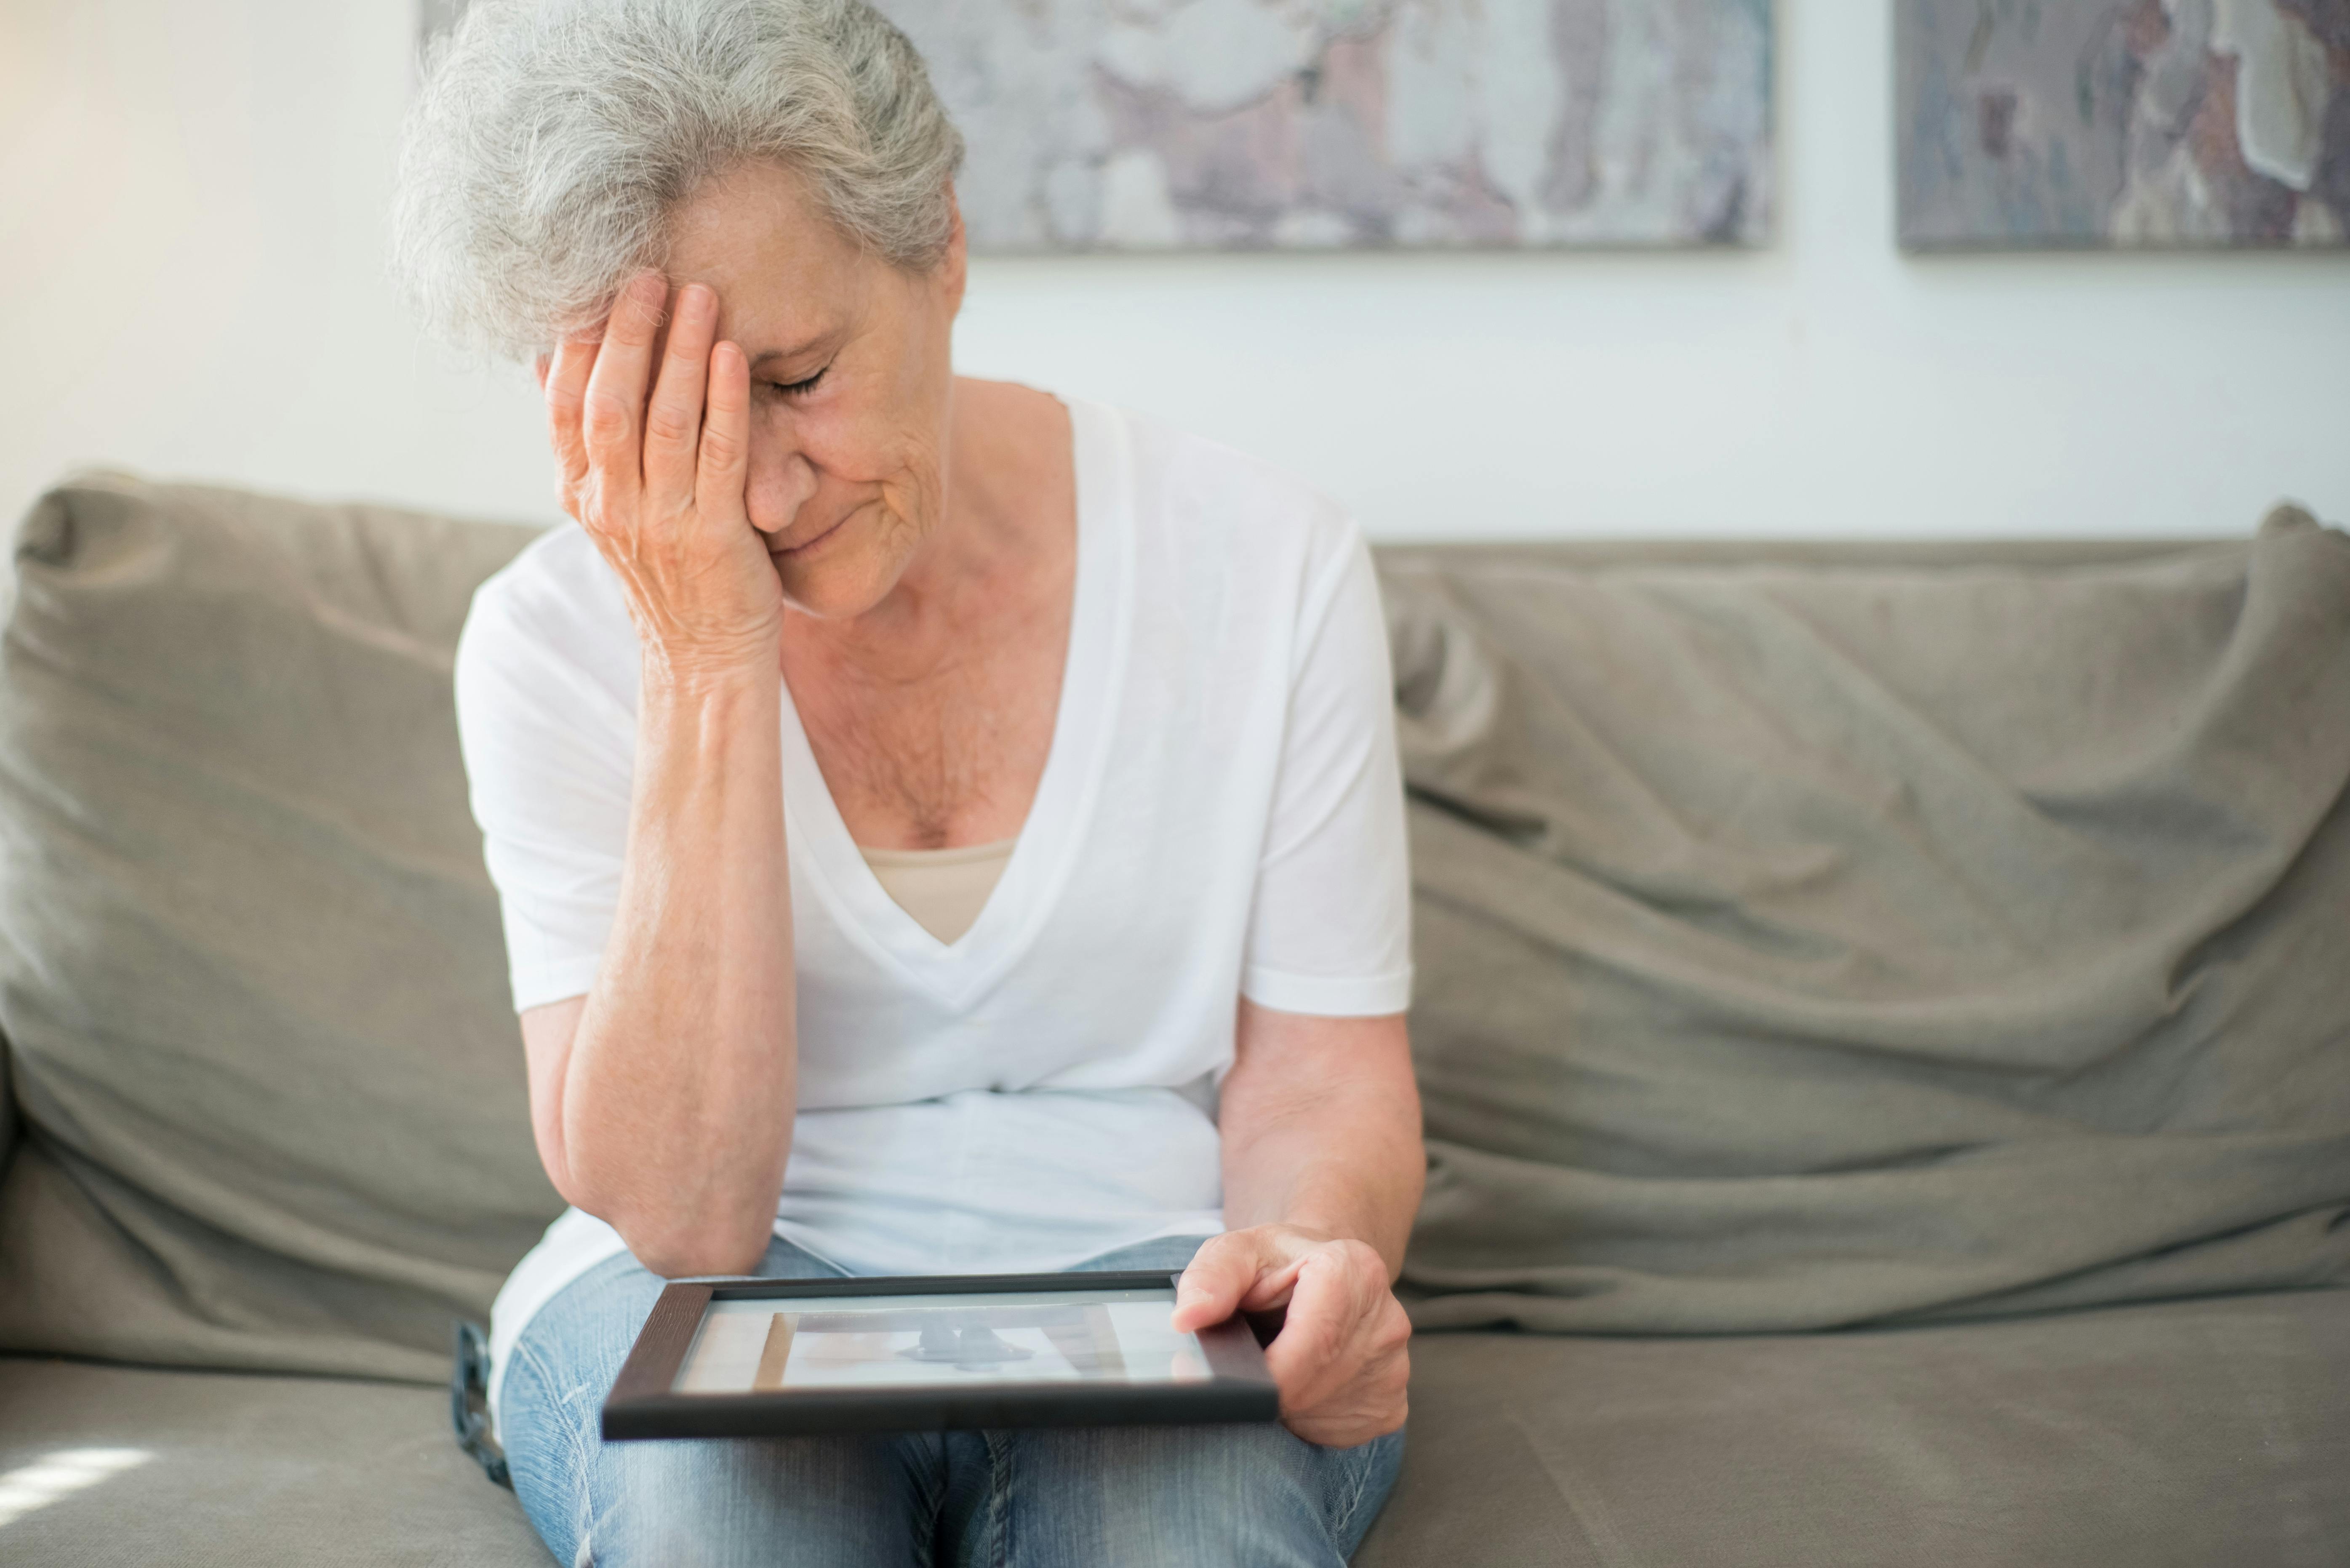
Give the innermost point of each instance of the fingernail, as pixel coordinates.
(647, 289)
(695, 300)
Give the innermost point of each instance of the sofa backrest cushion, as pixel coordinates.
(1868, 936)
(251, 973)
(1806, 936)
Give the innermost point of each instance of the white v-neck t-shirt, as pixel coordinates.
(1220, 816)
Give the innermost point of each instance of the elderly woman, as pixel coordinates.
(942, 827)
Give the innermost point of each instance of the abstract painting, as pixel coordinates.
(1247, 124)
(2123, 122)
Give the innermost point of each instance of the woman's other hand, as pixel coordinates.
(659, 481)
(1341, 1359)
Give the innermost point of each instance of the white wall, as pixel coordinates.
(192, 192)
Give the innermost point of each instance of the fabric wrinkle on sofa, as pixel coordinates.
(1737, 1013)
(9, 1127)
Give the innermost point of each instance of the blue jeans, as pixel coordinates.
(1102, 1497)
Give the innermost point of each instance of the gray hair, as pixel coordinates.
(551, 142)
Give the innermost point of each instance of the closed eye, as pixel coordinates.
(796, 389)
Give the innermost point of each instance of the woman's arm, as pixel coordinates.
(663, 1100)
(1323, 1171)
(1321, 1128)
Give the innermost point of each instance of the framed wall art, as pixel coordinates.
(2028, 123)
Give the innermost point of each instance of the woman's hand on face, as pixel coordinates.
(659, 481)
(1341, 1358)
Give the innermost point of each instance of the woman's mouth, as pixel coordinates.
(806, 544)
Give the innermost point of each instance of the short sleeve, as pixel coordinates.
(1330, 929)
(549, 760)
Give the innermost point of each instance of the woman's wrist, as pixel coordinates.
(711, 719)
(700, 678)
(1350, 1224)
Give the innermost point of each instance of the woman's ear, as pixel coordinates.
(952, 263)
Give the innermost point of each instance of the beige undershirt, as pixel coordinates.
(943, 890)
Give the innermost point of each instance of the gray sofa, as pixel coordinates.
(1884, 1018)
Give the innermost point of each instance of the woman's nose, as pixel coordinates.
(780, 482)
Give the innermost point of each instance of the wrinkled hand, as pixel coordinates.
(659, 482)
(1341, 1358)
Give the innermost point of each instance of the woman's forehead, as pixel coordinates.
(785, 276)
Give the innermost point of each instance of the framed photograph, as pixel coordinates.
(745, 1358)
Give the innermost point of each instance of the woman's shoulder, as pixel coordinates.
(556, 582)
(554, 605)
(1206, 488)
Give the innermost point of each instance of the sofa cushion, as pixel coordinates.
(250, 974)
(214, 1469)
(1837, 940)
(2188, 1433)
(2184, 1433)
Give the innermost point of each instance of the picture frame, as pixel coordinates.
(929, 1354)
